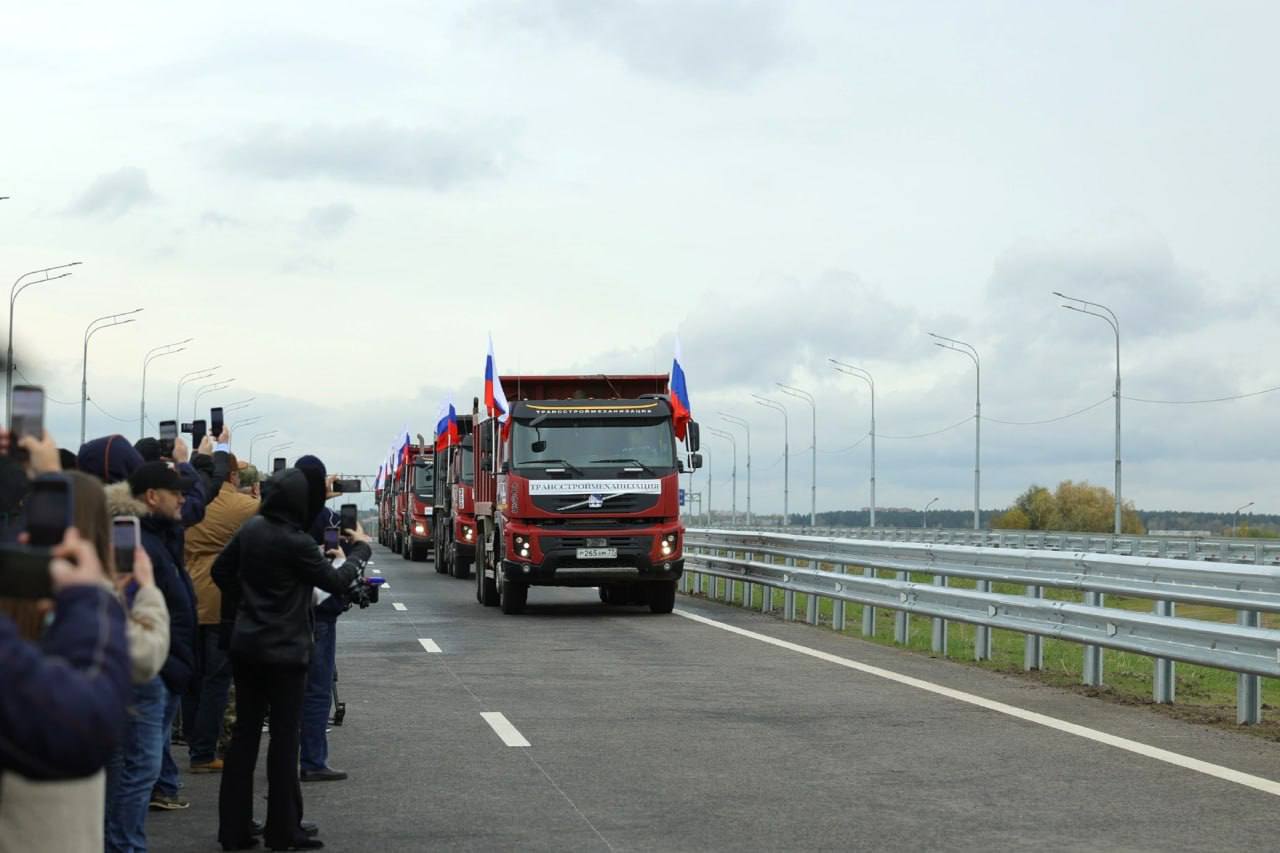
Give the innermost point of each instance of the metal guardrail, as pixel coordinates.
(1211, 548)
(750, 558)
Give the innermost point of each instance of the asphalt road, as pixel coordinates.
(665, 733)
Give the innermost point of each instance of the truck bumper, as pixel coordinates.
(571, 572)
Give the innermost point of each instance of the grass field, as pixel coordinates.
(1203, 694)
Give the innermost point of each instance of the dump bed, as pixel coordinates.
(597, 386)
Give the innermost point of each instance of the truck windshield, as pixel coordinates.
(423, 484)
(607, 443)
(468, 471)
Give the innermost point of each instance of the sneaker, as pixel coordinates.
(166, 803)
(214, 766)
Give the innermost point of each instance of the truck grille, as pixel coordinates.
(637, 544)
(622, 503)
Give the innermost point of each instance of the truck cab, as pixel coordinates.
(414, 502)
(580, 488)
(455, 521)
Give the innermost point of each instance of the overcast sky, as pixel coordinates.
(338, 201)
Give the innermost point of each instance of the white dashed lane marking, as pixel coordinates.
(502, 728)
(430, 646)
(398, 606)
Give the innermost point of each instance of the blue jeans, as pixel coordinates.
(133, 769)
(215, 682)
(168, 783)
(319, 697)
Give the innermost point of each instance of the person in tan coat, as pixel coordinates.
(205, 704)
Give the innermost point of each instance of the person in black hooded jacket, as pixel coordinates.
(267, 574)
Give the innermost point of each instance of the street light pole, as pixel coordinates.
(982, 644)
(254, 440)
(20, 284)
(246, 422)
(733, 477)
(91, 330)
(786, 455)
(1112, 320)
(925, 523)
(1236, 517)
(158, 352)
(220, 385)
(202, 373)
(866, 377)
(272, 452)
(734, 419)
(968, 350)
(813, 448)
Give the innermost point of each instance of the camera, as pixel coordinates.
(363, 592)
(347, 487)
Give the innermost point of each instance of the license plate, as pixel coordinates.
(597, 553)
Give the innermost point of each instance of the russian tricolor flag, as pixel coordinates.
(679, 390)
(446, 427)
(495, 399)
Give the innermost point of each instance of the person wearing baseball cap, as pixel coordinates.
(159, 488)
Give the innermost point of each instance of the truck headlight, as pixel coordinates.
(668, 544)
(467, 532)
(418, 528)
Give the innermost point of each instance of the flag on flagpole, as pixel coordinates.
(679, 390)
(495, 399)
(446, 427)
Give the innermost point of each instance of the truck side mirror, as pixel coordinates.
(693, 437)
(506, 467)
(695, 461)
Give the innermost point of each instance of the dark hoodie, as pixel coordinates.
(269, 569)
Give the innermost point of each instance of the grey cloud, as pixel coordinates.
(329, 220)
(1137, 277)
(715, 44)
(366, 153)
(754, 337)
(114, 194)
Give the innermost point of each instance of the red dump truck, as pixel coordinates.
(454, 516)
(412, 500)
(580, 489)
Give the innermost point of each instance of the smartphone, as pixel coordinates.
(278, 465)
(215, 422)
(347, 487)
(348, 518)
(49, 509)
(198, 431)
(24, 572)
(168, 435)
(28, 416)
(331, 539)
(124, 541)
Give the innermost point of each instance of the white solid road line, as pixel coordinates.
(398, 606)
(502, 728)
(1258, 783)
(430, 646)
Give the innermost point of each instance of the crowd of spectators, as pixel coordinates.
(109, 672)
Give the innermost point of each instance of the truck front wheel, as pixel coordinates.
(662, 596)
(512, 596)
(458, 566)
(486, 589)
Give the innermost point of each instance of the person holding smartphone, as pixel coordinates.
(226, 512)
(268, 574)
